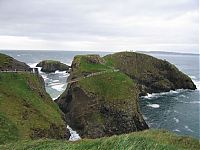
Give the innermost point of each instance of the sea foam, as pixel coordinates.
(58, 87)
(74, 135)
(153, 105)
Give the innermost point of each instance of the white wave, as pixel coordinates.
(60, 72)
(191, 102)
(193, 77)
(182, 96)
(177, 120)
(176, 130)
(156, 95)
(66, 75)
(58, 87)
(74, 135)
(145, 118)
(54, 98)
(55, 81)
(186, 127)
(197, 83)
(154, 105)
(18, 55)
(44, 77)
(32, 65)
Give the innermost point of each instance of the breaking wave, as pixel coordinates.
(153, 105)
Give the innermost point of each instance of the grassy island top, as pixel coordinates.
(86, 64)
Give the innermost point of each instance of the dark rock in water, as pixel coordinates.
(153, 75)
(8, 63)
(100, 105)
(51, 66)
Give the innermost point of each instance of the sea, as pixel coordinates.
(177, 111)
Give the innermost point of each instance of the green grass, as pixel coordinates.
(149, 140)
(25, 105)
(4, 60)
(84, 66)
(133, 64)
(111, 85)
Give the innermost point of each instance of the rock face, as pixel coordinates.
(8, 63)
(100, 104)
(151, 74)
(51, 66)
(26, 110)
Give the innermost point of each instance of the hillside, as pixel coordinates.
(149, 139)
(26, 110)
(153, 75)
(103, 102)
(10, 64)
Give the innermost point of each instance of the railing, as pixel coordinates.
(30, 70)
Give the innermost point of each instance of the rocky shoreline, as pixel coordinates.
(104, 100)
(93, 112)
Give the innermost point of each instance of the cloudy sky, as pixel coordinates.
(106, 25)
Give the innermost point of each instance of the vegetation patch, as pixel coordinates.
(149, 139)
(25, 105)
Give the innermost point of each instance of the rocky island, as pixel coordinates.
(103, 102)
(153, 75)
(49, 66)
(103, 99)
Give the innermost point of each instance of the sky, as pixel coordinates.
(100, 25)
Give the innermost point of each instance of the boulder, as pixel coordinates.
(49, 66)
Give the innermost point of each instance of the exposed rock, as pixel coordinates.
(101, 105)
(27, 110)
(51, 66)
(152, 74)
(8, 63)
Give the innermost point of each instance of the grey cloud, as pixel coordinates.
(94, 19)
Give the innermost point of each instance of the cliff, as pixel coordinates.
(152, 75)
(102, 101)
(8, 63)
(26, 110)
(52, 65)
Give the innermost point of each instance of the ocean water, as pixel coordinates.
(177, 111)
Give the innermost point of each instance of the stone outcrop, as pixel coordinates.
(49, 66)
(8, 63)
(101, 105)
(152, 75)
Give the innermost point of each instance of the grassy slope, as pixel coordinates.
(151, 139)
(4, 60)
(23, 108)
(133, 63)
(86, 67)
(112, 86)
